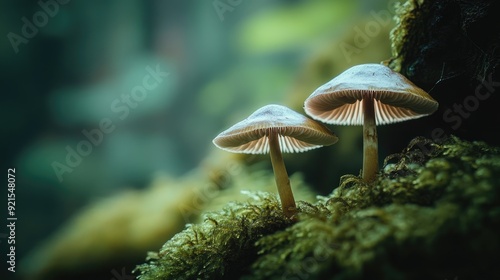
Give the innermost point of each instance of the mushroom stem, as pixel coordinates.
(281, 176)
(370, 141)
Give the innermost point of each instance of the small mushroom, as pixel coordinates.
(275, 129)
(369, 95)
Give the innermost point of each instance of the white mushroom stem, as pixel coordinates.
(281, 176)
(370, 141)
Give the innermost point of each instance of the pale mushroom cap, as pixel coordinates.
(297, 133)
(395, 97)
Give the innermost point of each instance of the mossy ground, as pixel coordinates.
(434, 213)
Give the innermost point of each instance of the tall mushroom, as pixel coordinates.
(276, 129)
(369, 95)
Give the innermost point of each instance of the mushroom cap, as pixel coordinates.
(395, 97)
(296, 133)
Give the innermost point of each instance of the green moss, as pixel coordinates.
(221, 246)
(433, 213)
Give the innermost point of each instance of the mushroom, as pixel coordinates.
(275, 129)
(369, 95)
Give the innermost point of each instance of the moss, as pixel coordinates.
(433, 213)
(221, 246)
(418, 221)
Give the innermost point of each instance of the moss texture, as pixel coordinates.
(433, 213)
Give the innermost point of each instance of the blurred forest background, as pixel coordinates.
(224, 60)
